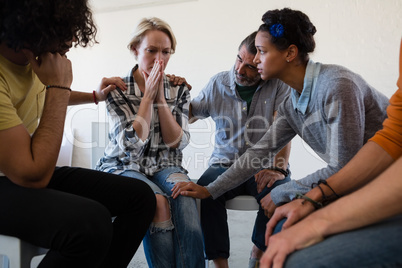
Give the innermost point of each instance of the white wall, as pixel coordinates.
(363, 35)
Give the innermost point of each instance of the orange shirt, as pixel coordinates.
(390, 137)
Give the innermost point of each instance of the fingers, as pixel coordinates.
(274, 257)
(273, 221)
(289, 222)
(51, 68)
(265, 261)
(180, 189)
(271, 182)
(152, 81)
(178, 80)
(115, 81)
(190, 189)
(278, 261)
(105, 91)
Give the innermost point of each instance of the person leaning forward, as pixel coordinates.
(243, 107)
(67, 210)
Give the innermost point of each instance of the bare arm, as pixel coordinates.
(367, 164)
(30, 161)
(106, 85)
(171, 130)
(378, 200)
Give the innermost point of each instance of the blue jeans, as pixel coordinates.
(214, 215)
(181, 243)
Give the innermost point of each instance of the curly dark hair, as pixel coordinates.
(46, 25)
(294, 27)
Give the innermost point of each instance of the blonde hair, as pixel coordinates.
(149, 24)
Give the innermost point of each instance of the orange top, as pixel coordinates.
(390, 137)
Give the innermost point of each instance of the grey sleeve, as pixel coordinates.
(254, 159)
(200, 105)
(344, 114)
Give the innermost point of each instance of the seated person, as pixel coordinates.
(334, 110)
(66, 210)
(149, 130)
(361, 229)
(243, 107)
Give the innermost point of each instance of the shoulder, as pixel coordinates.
(179, 91)
(338, 79)
(274, 84)
(216, 85)
(336, 73)
(219, 79)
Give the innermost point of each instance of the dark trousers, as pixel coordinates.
(214, 216)
(72, 217)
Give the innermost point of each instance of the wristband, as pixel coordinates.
(55, 86)
(316, 204)
(93, 94)
(284, 172)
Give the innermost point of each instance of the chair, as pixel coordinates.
(242, 202)
(20, 254)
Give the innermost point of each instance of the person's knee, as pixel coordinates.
(210, 175)
(89, 232)
(162, 212)
(177, 177)
(98, 224)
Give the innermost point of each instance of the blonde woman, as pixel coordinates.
(149, 130)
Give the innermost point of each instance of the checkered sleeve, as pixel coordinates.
(180, 112)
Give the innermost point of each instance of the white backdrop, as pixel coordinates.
(363, 35)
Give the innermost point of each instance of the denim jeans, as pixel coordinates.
(214, 215)
(377, 245)
(181, 244)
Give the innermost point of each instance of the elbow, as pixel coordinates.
(32, 179)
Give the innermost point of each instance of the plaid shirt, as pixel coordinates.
(126, 151)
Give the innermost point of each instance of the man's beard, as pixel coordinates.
(246, 81)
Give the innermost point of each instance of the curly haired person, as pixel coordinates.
(67, 210)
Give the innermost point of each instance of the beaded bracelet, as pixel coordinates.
(55, 86)
(316, 204)
(95, 100)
